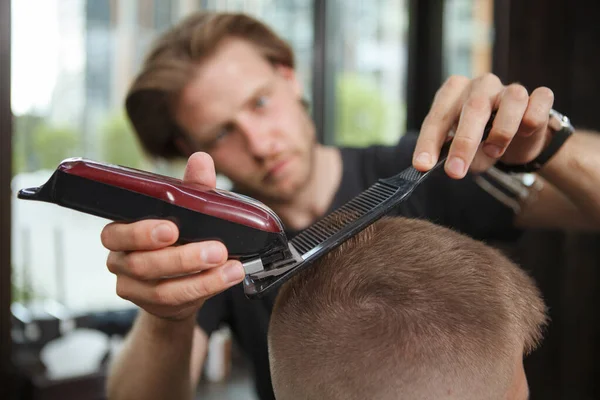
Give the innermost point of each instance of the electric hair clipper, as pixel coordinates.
(250, 230)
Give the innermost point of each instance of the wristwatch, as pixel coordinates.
(561, 129)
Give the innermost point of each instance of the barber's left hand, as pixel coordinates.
(518, 135)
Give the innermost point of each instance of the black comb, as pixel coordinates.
(351, 218)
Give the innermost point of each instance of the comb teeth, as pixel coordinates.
(348, 213)
(409, 174)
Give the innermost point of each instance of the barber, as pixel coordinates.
(222, 91)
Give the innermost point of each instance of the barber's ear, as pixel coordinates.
(289, 74)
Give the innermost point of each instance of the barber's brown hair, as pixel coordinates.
(406, 309)
(171, 63)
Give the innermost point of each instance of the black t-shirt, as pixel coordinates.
(458, 204)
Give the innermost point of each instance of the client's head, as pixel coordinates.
(405, 310)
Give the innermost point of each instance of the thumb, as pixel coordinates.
(200, 169)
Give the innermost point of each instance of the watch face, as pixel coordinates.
(559, 122)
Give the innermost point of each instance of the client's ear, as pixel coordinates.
(519, 388)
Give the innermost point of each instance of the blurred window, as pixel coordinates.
(366, 70)
(468, 37)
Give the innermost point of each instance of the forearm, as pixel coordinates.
(154, 362)
(575, 172)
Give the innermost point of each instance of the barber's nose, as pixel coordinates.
(257, 137)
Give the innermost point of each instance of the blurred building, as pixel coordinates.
(468, 37)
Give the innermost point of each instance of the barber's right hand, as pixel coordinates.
(170, 282)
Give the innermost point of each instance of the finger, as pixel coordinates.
(538, 111)
(168, 262)
(473, 119)
(181, 291)
(141, 235)
(524, 149)
(511, 108)
(200, 169)
(481, 162)
(438, 122)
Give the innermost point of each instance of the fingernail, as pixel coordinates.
(162, 233)
(456, 166)
(423, 158)
(492, 150)
(233, 272)
(213, 253)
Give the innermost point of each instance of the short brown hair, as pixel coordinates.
(171, 63)
(403, 310)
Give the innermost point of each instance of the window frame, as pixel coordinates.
(6, 365)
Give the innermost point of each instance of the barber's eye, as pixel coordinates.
(261, 101)
(223, 133)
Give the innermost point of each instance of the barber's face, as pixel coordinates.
(247, 115)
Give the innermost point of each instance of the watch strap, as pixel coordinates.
(561, 130)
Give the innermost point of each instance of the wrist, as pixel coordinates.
(165, 328)
(561, 160)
